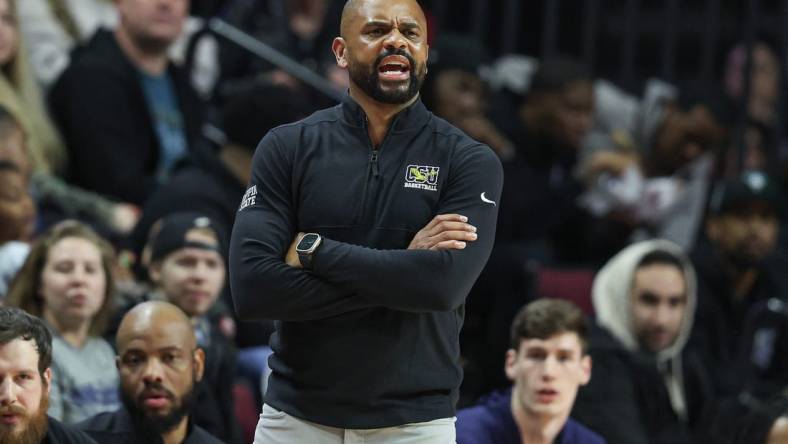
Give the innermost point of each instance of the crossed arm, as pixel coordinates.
(435, 273)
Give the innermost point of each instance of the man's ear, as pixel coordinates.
(511, 362)
(154, 272)
(339, 48)
(713, 228)
(585, 368)
(427, 60)
(48, 379)
(199, 364)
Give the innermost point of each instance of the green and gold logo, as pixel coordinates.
(423, 177)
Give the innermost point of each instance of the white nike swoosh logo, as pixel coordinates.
(485, 199)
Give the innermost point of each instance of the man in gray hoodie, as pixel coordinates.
(648, 387)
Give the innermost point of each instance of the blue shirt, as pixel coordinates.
(491, 422)
(167, 119)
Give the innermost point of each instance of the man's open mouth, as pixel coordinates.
(394, 68)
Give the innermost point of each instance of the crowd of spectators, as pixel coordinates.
(127, 130)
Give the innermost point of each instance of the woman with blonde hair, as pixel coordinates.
(67, 280)
(20, 93)
(21, 97)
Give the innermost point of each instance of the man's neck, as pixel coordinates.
(536, 429)
(379, 115)
(178, 434)
(150, 62)
(743, 282)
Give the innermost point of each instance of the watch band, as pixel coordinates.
(305, 259)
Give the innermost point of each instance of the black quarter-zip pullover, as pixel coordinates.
(369, 337)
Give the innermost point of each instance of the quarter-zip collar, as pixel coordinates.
(411, 118)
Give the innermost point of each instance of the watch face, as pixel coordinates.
(307, 242)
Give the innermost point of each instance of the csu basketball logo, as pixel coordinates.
(423, 177)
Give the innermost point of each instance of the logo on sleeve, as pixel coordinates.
(486, 200)
(422, 177)
(250, 197)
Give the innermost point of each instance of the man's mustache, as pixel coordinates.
(398, 52)
(13, 410)
(155, 389)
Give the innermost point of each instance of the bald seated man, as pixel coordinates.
(159, 365)
(363, 229)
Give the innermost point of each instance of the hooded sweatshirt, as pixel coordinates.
(612, 301)
(656, 386)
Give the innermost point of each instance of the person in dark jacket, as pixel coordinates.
(355, 235)
(127, 114)
(649, 387)
(739, 267)
(553, 121)
(185, 267)
(547, 363)
(25, 377)
(160, 364)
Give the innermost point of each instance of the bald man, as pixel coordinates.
(159, 364)
(363, 229)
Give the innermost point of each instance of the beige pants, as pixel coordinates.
(277, 427)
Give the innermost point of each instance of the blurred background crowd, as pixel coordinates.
(127, 130)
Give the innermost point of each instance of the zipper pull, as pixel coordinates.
(373, 159)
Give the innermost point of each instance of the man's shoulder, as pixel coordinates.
(101, 52)
(490, 417)
(201, 436)
(446, 132)
(464, 148)
(315, 121)
(576, 433)
(59, 433)
(477, 416)
(109, 427)
(103, 422)
(99, 60)
(288, 136)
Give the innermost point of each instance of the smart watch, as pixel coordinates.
(306, 247)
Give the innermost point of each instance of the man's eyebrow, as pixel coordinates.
(409, 24)
(569, 351)
(377, 22)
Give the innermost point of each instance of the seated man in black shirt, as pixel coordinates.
(740, 266)
(25, 357)
(159, 364)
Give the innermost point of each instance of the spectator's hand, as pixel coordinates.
(279, 77)
(292, 256)
(444, 232)
(125, 217)
(610, 162)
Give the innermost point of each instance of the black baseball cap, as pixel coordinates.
(171, 234)
(751, 186)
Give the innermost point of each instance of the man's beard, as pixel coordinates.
(150, 45)
(742, 260)
(155, 425)
(35, 428)
(368, 79)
